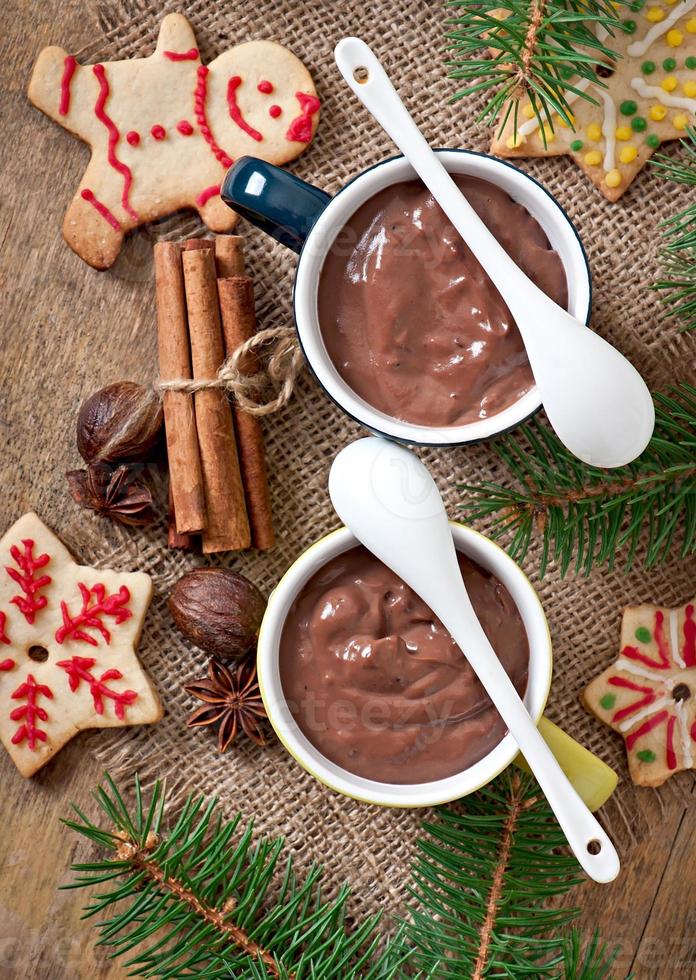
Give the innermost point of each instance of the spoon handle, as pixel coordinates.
(590, 844)
(443, 590)
(367, 78)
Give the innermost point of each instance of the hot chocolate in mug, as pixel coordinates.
(410, 376)
(591, 777)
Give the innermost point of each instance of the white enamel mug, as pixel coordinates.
(593, 779)
(308, 220)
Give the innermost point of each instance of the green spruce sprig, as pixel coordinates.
(535, 49)
(205, 900)
(678, 284)
(585, 514)
(483, 880)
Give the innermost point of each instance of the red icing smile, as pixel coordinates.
(236, 113)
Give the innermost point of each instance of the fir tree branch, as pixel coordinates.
(483, 880)
(535, 49)
(587, 513)
(197, 901)
(679, 254)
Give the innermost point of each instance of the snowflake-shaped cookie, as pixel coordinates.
(68, 634)
(165, 129)
(649, 96)
(649, 694)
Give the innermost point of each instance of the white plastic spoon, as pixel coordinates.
(390, 502)
(594, 398)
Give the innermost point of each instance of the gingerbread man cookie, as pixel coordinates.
(649, 693)
(67, 639)
(165, 129)
(649, 97)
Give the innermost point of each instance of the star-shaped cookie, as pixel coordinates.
(649, 693)
(650, 97)
(164, 130)
(68, 634)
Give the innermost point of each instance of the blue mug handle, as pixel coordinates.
(274, 200)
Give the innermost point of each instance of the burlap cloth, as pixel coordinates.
(369, 846)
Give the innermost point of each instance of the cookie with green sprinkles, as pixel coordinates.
(648, 694)
(633, 106)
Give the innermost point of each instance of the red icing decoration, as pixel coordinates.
(689, 654)
(132, 137)
(671, 756)
(4, 638)
(235, 112)
(158, 132)
(88, 195)
(199, 103)
(7, 664)
(646, 727)
(95, 604)
(634, 654)
(68, 71)
(659, 635)
(635, 705)
(693, 731)
(265, 87)
(29, 713)
(206, 194)
(29, 603)
(274, 111)
(80, 669)
(190, 55)
(114, 137)
(300, 130)
(184, 127)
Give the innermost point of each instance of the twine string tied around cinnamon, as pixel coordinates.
(283, 360)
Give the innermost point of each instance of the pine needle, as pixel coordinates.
(678, 285)
(585, 515)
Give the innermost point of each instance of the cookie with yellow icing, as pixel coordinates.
(164, 129)
(650, 97)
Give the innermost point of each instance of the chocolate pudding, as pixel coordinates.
(376, 682)
(410, 319)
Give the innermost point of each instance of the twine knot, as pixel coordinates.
(258, 390)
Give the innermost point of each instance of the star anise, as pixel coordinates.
(114, 493)
(231, 699)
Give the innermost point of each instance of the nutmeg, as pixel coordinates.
(218, 610)
(119, 423)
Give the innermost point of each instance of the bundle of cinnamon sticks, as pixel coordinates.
(217, 469)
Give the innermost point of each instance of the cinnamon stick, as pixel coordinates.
(238, 324)
(184, 542)
(227, 526)
(229, 253)
(191, 244)
(175, 362)
(229, 256)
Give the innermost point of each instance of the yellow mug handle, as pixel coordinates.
(593, 779)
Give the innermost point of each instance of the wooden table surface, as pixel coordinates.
(52, 312)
